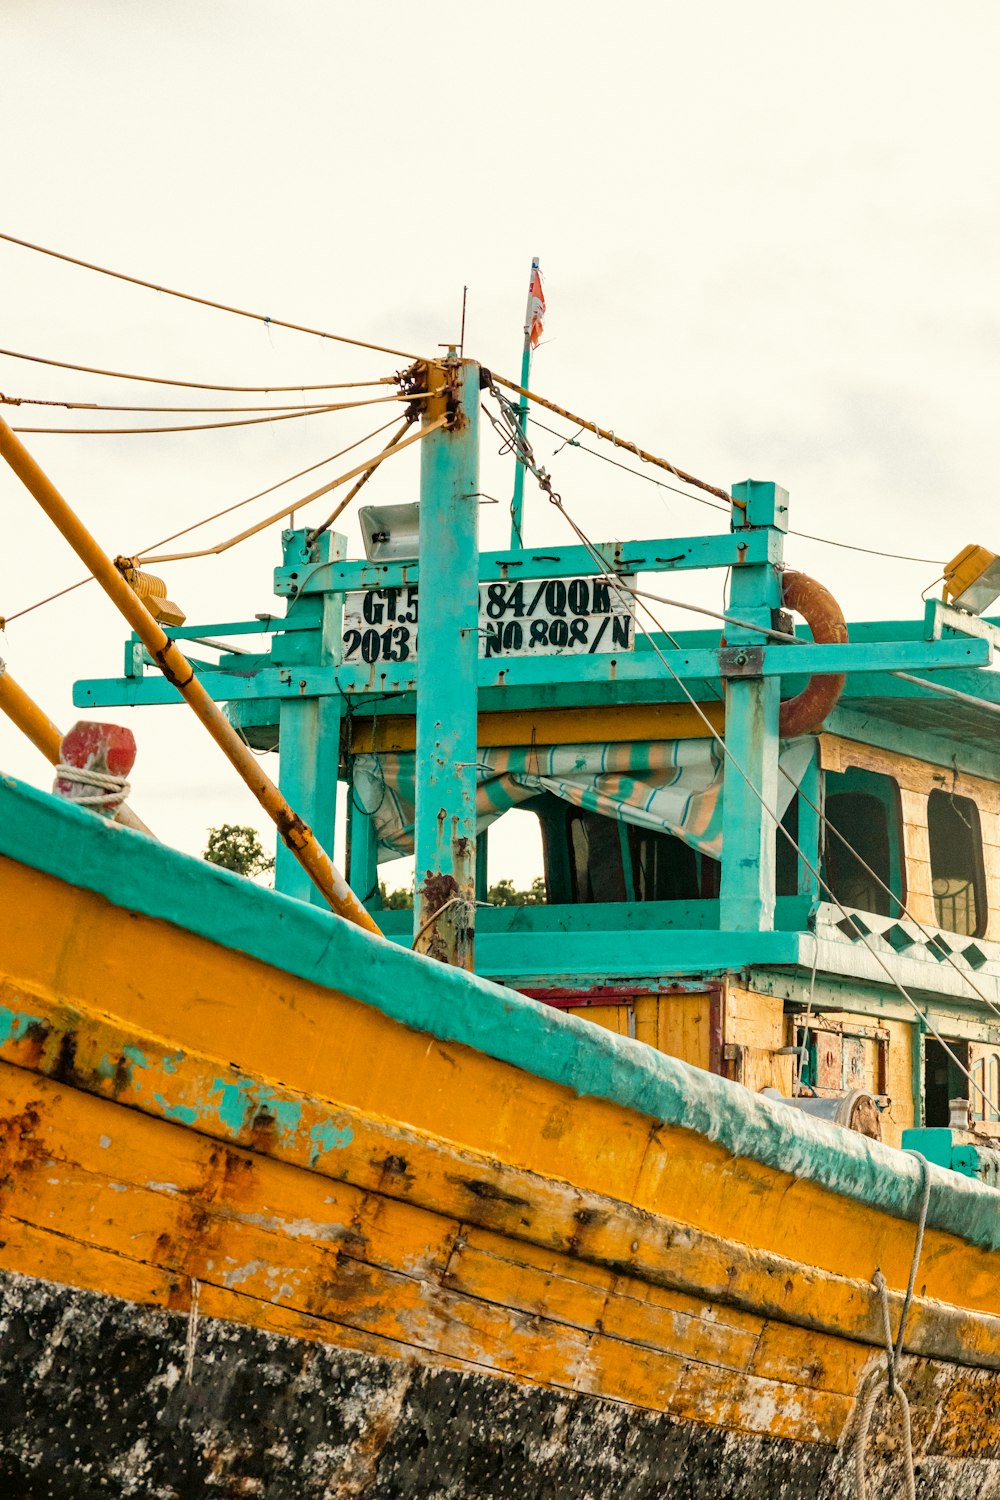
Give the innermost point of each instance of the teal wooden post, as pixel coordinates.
(309, 728)
(809, 827)
(362, 873)
(447, 660)
(748, 832)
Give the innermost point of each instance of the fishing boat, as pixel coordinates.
(681, 1182)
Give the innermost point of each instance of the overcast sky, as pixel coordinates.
(768, 231)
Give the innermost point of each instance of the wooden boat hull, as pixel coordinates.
(283, 1204)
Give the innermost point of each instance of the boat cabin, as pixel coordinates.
(810, 905)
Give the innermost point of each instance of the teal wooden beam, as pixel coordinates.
(309, 726)
(444, 900)
(661, 555)
(868, 665)
(751, 773)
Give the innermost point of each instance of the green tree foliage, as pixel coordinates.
(238, 848)
(400, 900)
(505, 894)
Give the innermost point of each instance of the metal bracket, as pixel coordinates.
(741, 661)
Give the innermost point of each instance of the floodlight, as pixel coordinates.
(972, 579)
(391, 533)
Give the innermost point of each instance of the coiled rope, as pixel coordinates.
(890, 1380)
(108, 791)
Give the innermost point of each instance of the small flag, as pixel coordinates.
(535, 311)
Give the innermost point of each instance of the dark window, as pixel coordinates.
(956, 863)
(862, 860)
(612, 861)
(596, 854)
(664, 868)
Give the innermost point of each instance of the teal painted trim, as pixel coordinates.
(512, 671)
(661, 555)
(942, 748)
(139, 874)
(747, 893)
(619, 919)
(309, 727)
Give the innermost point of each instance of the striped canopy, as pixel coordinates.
(672, 786)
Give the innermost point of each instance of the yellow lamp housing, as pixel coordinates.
(152, 591)
(972, 579)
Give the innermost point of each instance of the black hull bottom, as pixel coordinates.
(95, 1402)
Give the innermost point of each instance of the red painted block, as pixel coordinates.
(108, 748)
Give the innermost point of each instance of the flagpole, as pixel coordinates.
(517, 503)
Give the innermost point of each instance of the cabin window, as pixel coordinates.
(597, 866)
(863, 855)
(985, 1111)
(612, 861)
(957, 877)
(946, 1077)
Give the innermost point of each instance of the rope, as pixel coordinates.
(808, 536)
(240, 312)
(325, 526)
(191, 1341)
(105, 406)
(287, 510)
(609, 436)
(109, 791)
(290, 416)
(196, 385)
(904, 910)
(452, 901)
(623, 589)
(801, 1054)
(226, 510)
(893, 1355)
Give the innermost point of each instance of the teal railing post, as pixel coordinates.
(752, 702)
(309, 728)
(362, 854)
(447, 659)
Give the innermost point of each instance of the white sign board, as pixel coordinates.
(536, 617)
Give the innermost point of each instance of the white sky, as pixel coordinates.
(768, 234)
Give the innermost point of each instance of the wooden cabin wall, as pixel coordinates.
(916, 779)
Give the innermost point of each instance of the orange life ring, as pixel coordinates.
(804, 713)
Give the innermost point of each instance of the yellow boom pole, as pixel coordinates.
(43, 734)
(174, 665)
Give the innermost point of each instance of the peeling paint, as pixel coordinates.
(185, 1114)
(326, 1136)
(14, 1024)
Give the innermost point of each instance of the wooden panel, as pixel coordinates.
(911, 774)
(683, 1028)
(611, 1017)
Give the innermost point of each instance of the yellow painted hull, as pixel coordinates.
(215, 1142)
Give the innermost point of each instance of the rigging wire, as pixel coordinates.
(288, 416)
(571, 442)
(196, 385)
(105, 406)
(896, 900)
(318, 531)
(279, 515)
(622, 588)
(239, 312)
(194, 526)
(617, 442)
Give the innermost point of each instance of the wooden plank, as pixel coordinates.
(673, 1251)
